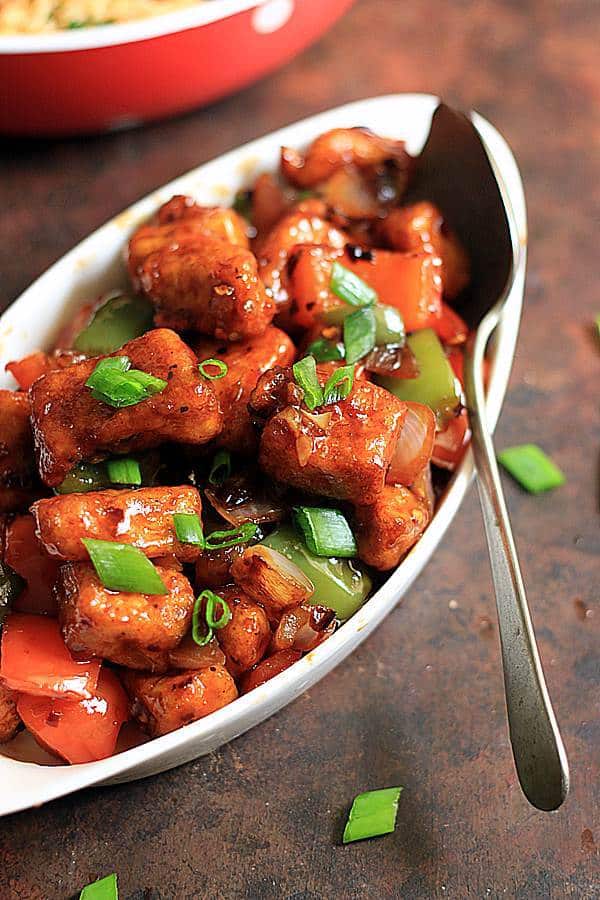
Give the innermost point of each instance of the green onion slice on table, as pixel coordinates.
(350, 288)
(205, 620)
(188, 528)
(373, 813)
(104, 889)
(532, 468)
(121, 567)
(325, 531)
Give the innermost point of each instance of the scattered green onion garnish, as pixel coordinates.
(350, 288)
(204, 623)
(338, 385)
(124, 471)
(121, 567)
(598, 324)
(221, 467)
(324, 350)
(104, 889)
(84, 477)
(115, 383)
(305, 373)
(359, 334)
(373, 813)
(217, 364)
(530, 466)
(325, 531)
(220, 540)
(188, 528)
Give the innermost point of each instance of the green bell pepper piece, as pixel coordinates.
(118, 320)
(341, 584)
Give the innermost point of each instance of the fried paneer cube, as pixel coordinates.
(17, 463)
(166, 702)
(388, 528)
(220, 221)
(210, 286)
(246, 361)
(142, 517)
(247, 635)
(134, 630)
(9, 718)
(343, 450)
(69, 425)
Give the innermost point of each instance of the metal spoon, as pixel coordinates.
(456, 171)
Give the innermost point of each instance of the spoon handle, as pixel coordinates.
(538, 750)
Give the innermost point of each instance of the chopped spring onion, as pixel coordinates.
(220, 540)
(218, 364)
(124, 471)
(221, 467)
(325, 351)
(350, 288)
(359, 334)
(325, 531)
(188, 528)
(115, 383)
(11, 585)
(305, 373)
(117, 321)
(373, 813)
(389, 324)
(597, 320)
(104, 889)
(532, 468)
(121, 567)
(204, 623)
(83, 478)
(338, 385)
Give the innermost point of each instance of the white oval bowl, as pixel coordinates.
(95, 266)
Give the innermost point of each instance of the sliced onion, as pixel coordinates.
(415, 445)
(241, 499)
(303, 628)
(400, 362)
(423, 488)
(189, 655)
(271, 579)
(321, 420)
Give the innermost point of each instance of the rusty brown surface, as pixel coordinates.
(420, 704)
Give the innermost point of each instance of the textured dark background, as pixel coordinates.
(420, 704)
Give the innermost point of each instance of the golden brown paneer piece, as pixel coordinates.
(422, 226)
(337, 148)
(246, 361)
(210, 286)
(164, 703)
(220, 221)
(134, 630)
(69, 425)
(387, 529)
(269, 578)
(305, 224)
(342, 450)
(245, 638)
(9, 718)
(17, 462)
(142, 517)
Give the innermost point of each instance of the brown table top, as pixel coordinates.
(421, 702)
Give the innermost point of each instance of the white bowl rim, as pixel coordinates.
(25, 783)
(97, 36)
